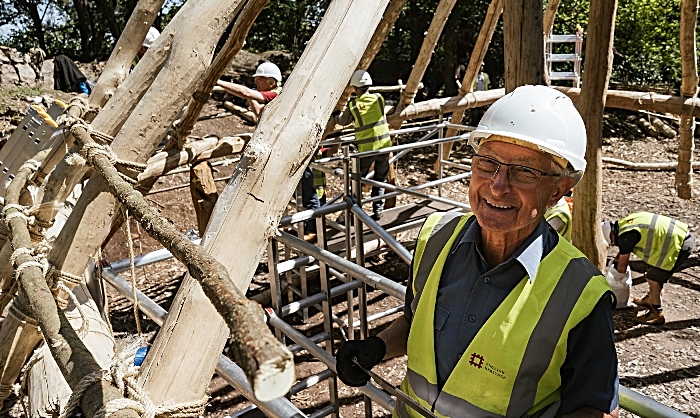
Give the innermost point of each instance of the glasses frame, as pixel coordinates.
(510, 175)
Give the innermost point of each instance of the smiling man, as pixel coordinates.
(503, 317)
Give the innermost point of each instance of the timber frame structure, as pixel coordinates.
(47, 262)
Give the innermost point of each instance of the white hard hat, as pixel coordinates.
(606, 227)
(360, 78)
(151, 37)
(268, 69)
(540, 116)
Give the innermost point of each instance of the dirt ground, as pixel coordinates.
(661, 362)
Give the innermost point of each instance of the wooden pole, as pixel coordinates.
(587, 235)
(689, 86)
(249, 208)
(522, 37)
(73, 358)
(116, 70)
(392, 12)
(477, 57)
(442, 12)
(549, 14)
(190, 54)
(257, 351)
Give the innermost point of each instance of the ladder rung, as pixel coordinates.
(562, 38)
(563, 58)
(563, 75)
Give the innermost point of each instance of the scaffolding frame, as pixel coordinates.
(340, 275)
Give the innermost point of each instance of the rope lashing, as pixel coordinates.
(124, 378)
(93, 150)
(22, 212)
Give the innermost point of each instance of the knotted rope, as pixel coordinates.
(124, 378)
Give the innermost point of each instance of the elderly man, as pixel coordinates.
(503, 317)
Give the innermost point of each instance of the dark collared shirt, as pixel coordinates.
(470, 291)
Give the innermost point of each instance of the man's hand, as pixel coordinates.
(369, 353)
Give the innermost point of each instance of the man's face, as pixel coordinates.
(504, 208)
(142, 51)
(265, 83)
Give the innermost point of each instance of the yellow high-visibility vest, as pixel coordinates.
(662, 237)
(371, 127)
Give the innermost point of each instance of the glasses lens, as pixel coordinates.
(485, 165)
(524, 175)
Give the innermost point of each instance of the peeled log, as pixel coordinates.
(249, 208)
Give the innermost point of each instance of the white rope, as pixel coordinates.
(32, 165)
(137, 399)
(20, 251)
(22, 212)
(83, 330)
(130, 245)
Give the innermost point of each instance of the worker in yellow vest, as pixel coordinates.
(503, 317)
(661, 242)
(371, 132)
(559, 218)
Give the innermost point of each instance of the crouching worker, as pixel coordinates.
(662, 243)
(503, 317)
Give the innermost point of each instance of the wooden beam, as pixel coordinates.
(392, 12)
(587, 235)
(188, 57)
(522, 39)
(549, 14)
(689, 86)
(442, 12)
(250, 206)
(477, 57)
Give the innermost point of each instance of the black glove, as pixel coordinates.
(368, 352)
(336, 113)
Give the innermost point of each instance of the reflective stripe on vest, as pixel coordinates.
(561, 211)
(662, 238)
(371, 127)
(319, 178)
(522, 375)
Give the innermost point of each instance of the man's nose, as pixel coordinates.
(500, 181)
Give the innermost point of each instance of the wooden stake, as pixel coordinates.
(522, 37)
(689, 86)
(549, 14)
(587, 235)
(249, 208)
(477, 57)
(442, 12)
(392, 12)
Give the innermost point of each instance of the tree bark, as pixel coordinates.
(522, 38)
(73, 358)
(549, 14)
(426, 53)
(587, 235)
(248, 210)
(477, 57)
(689, 86)
(192, 48)
(259, 354)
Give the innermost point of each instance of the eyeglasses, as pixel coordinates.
(518, 175)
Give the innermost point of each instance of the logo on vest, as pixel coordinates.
(476, 360)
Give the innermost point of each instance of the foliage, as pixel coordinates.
(646, 48)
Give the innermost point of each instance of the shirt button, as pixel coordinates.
(487, 279)
(472, 318)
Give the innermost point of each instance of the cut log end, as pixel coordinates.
(274, 378)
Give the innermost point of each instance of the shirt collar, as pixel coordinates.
(529, 254)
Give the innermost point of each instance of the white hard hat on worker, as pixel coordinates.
(537, 117)
(360, 78)
(151, 37)
(269, 70)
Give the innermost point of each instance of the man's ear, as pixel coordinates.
(562, 186)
